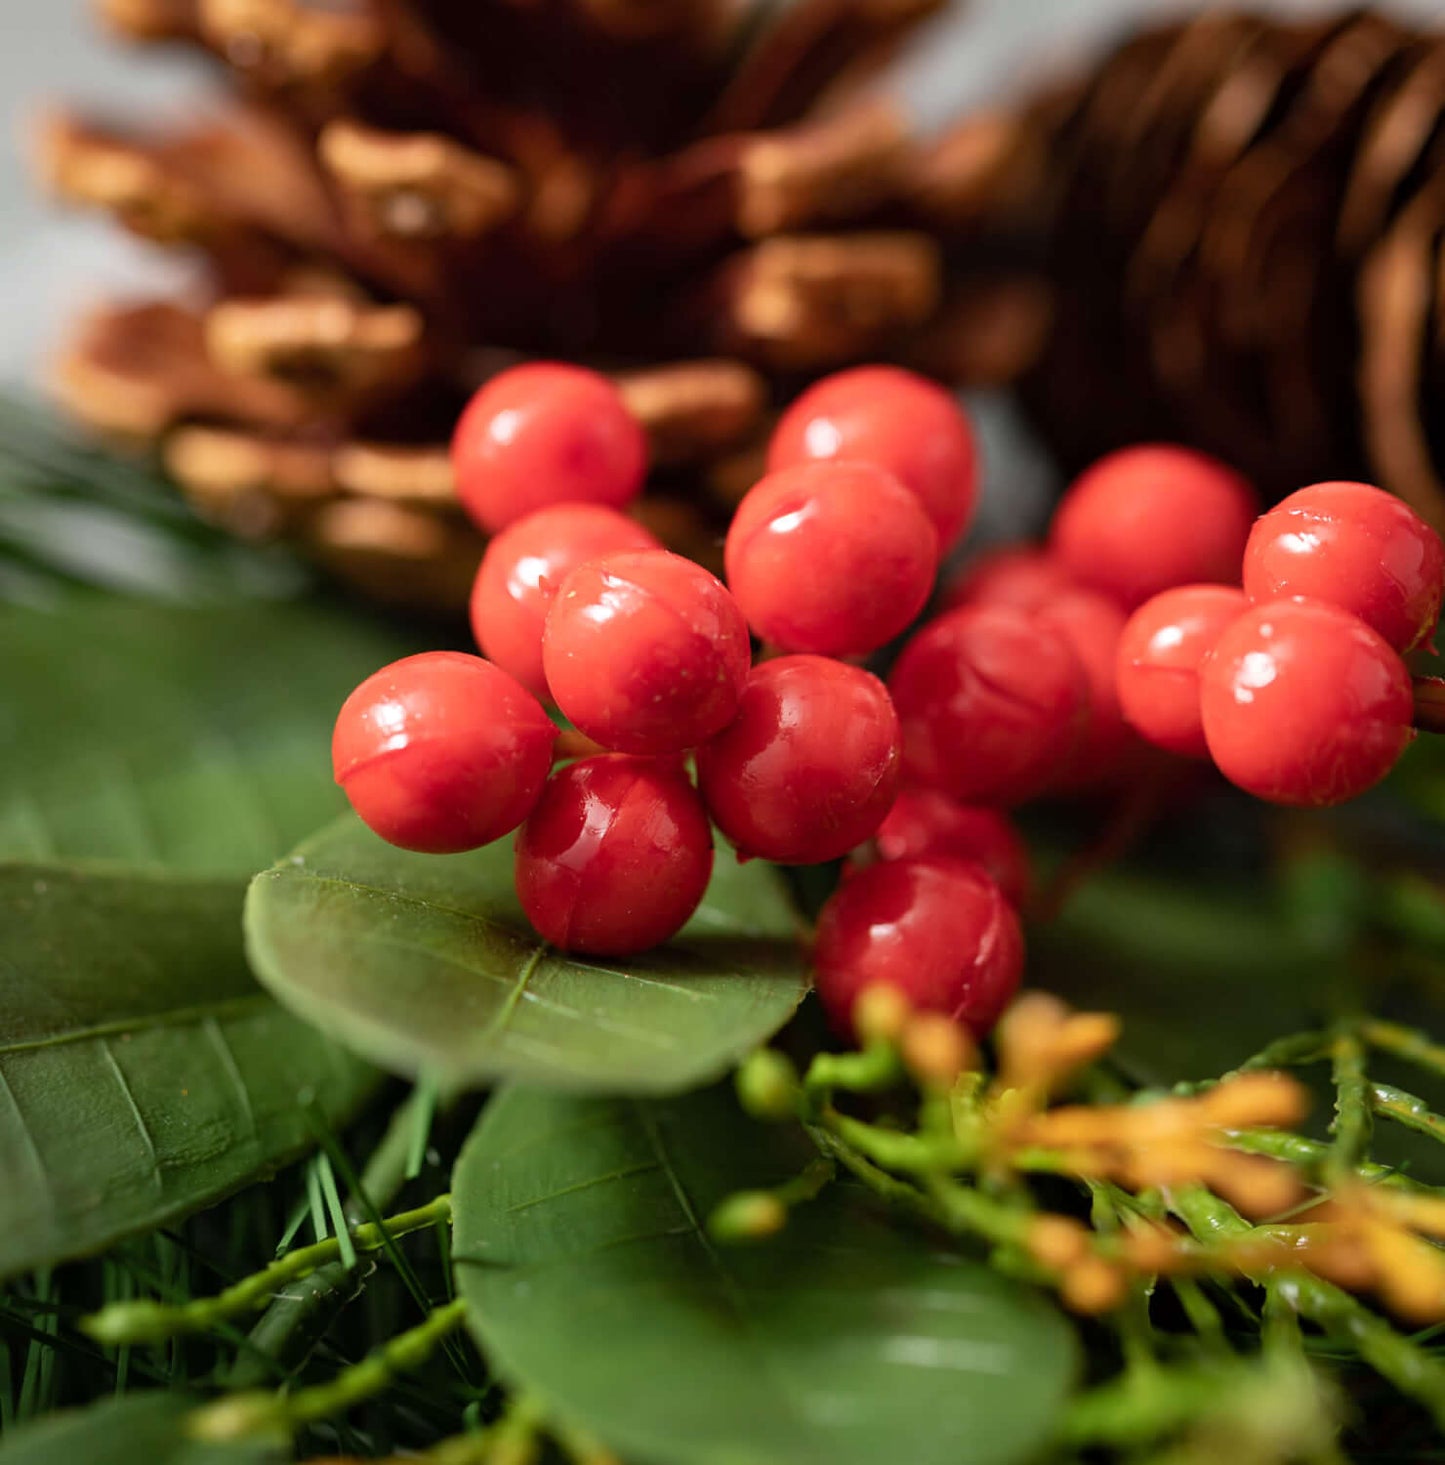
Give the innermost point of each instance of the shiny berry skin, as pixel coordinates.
(615, 857)
(830, 558)
(1357, 547)
(646, 652)
(899, 421)
(523, 569)
(993, 703)
(1023, 576)
(1304, 704)
(541, 434)
(1148, 518)
(937, 929)
(809, 767)
(1156, 673)
(442, 752)
(924, 822)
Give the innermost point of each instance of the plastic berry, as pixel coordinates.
(924, 822)
(809, 767)
(1092, 623)
(524, 567)
(1156, 673)
(1357, 547)
(646, 652)
(1023, 576)
(442, 752)
(615, 857)
(1148, 518)
(992, 702)
(831, 558)
(541, 434)
(1303, 703)
(901, 422)
(939, 930)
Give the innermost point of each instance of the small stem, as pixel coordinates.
(1312, 1157)
(1430, 704)
(1408, 1043)
(1295, 1051)
(1407, 1110)
(913, 1154)
(1351, 1126)
(146, 1321)
(873, 1070)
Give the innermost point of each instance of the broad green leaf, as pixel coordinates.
(143, 1074)
(426, 963)
(193, 739)
(582, 1254)
(143, 1429)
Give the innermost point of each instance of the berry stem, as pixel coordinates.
(1430, 704)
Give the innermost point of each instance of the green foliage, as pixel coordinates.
(425, 963)
(582, 1252)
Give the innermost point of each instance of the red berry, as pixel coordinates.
(442, 752)
(1023, 576)
(992, 703)
(1359, 548)
(1156, 673)
(1148, 518)
(615, 857)
(901, 422)
(831, 558)
(524, 567)
(1092, 624)
(646, 652)
(809, 767)
(938, 929)
(542, 434)
(925, 822)
(1303, 703)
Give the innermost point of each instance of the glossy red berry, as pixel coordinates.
(615, 857)
(1023, 576)
(442, 752)
(523, 569)
(646, 652)
(924, 822)
(1303, 703)
(809, 767)
(831, 558)
(939, 930)
(1156, 672)
(901, 422)
(546, 433)
(1357, 547)
(992, 703)
(1148, 518)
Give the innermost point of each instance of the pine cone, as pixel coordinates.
(1242, 223)
(401, 197)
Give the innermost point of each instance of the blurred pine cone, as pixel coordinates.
(401, 196)
(1243, 223)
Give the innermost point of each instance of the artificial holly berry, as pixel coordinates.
(442, 752)
(646, 652)
(615, 857)
(939, 930)
(993, 703)
(901, 422)
(1357, 547)
(1148, 518)
(546, 433)
(1303, 703)
(1156, 671)
(831, 558)
(1022, 576)
(523, 569)
(924, 822)
(809, 767)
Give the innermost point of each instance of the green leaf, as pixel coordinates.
(197, 740)
(143, 1074)
(425, 963)
(582, 1254)
(144, 1429)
